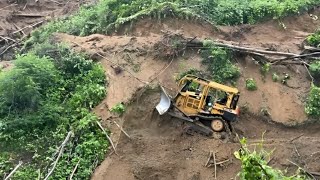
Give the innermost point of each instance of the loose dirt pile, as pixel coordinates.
(158, 148)
(19, 17)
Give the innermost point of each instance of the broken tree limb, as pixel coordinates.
(291, 140)
(296, 150)
(122, 129)
(310, 48)
(5, 38)
(297, 56)
(30, 26)
(9, 47)
(305, 171)
(215, 165)
(315, 173)
(197, 43)
(60, 153)
(14, 170)
(210, 155)
(222, 162)
(109, 139)
(74, 170)
(312, 79)
(29, 15)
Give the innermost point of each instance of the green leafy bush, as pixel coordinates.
(314, 39)
(254, 165)
(118, 108)
(219, 64)
(64, 86)
(191, 71)
(265, 68)
(313, 102)
(251, 84)
(275, 77)
(24, 87)
(315, 69)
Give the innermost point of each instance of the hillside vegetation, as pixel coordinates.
(51, 89)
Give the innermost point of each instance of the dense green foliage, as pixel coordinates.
(254, 165)
(251, 84)
(313, 102)
(220, 64)
(107, 15)
(49, 92)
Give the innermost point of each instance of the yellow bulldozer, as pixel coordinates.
(209, 106)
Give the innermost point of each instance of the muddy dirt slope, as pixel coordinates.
(158, 147)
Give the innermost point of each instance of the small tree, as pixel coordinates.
(24, 86)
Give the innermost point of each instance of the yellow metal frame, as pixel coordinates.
(191, 103)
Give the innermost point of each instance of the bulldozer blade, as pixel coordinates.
(165, 102)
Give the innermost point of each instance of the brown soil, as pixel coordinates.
(159, 148)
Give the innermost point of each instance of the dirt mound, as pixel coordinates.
(282, 103)
(159, 149)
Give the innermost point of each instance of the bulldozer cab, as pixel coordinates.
(199, 95)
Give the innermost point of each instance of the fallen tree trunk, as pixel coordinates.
(199, 43)
(273, 57)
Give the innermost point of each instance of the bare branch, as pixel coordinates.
(122, 130)
(14, 170)
(59, 155)
(109, 139)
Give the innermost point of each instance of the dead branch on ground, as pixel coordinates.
(14, 170)
(109, 139)
(30, 26)
(59, 155)
(291, 140)
(215, 165)
(172, 44)
(122, 129)
(304, 170)
(29, 15)
(74, 170)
